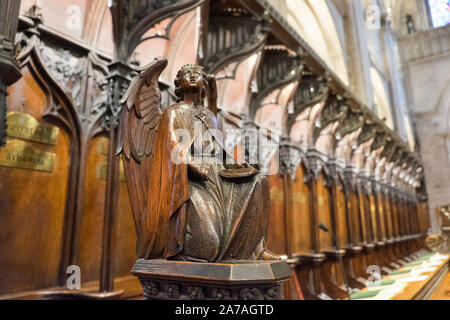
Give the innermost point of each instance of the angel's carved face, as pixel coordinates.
(192, 79)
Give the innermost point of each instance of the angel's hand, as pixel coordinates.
(198, 171)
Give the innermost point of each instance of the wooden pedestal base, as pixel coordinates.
(181, 280)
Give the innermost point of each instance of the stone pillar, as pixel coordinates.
(358, 51)
(399, 104)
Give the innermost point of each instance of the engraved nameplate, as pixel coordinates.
(103, 171)
(25, 126)
(276, 195)
(322, 201)
(103, 146)
(299, 198)
(20, 154)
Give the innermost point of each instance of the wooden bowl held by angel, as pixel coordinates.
(238, 171)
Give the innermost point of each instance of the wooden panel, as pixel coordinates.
(354, 215)
(387, 218)
(442, 291)
(125, 235)
(93, 215)
(277, 232)
(364, 205)
(373, 218)
(362, 217)
(394, 212)
(380, 218)
(93, 211)
(341, 218)
(301, 218)
(323, 214)
(32, 205)
(424, 218)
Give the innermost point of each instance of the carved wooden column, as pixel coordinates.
(290, 159)
(394, 217)
(324, 133)
(390, 238)
(331, 267)
(352, 259)
(118, 81)
(403, 222)
(309, 271)
(367, 236)
(9, 68)
(377, 220)
(399, 217)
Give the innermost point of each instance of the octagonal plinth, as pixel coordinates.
(249, 280)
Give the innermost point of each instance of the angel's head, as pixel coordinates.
(190, 78)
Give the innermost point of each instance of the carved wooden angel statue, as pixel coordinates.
(188, 203)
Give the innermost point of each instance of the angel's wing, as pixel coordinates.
(139, 124)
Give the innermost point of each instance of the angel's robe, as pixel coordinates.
(188, 218)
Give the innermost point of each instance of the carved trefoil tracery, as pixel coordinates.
(233, 34)
(278, 68)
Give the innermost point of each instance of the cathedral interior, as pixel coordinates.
(350, 100)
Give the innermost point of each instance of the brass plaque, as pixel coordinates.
(20, 154)
(103, 171)
(276, 195)
(322, 201)
(103, 146)
(25, 126)
(299, 198)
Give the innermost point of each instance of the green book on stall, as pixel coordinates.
(396, 272)
(414, 264)
(364, 294)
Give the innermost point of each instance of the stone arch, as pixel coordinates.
(314, 21)
(401, 8)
